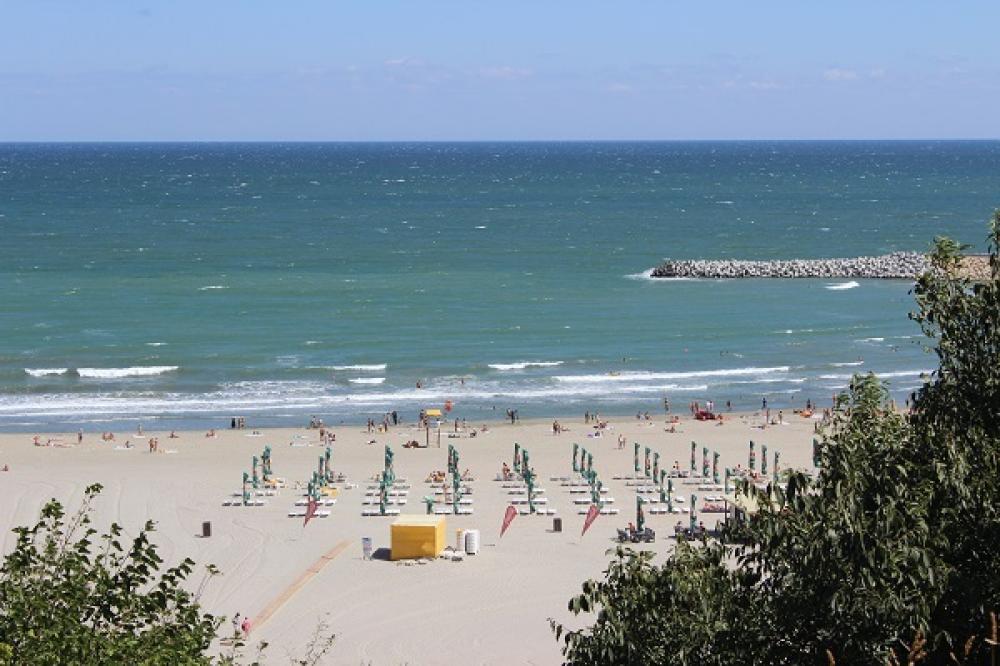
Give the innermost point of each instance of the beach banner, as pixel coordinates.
(592, 513)
(310, 510)
(508, 518)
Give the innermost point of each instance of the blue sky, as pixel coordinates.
(384, 70)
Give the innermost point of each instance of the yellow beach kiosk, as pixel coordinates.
(413, 537)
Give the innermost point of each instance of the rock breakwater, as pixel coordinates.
(898, 265)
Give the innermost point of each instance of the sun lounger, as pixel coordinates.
(301, 513)
(322, 502)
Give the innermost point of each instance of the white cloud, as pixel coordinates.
(505, 72)
(620, 88)
(405, 61)
(839, 74)
(765, 85)
(877, 73)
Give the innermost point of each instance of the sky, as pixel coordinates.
(304, 70)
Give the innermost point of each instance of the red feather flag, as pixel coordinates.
(508, 518)
(310, 510)
(592, 513)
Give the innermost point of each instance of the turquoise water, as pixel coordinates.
(184, 283)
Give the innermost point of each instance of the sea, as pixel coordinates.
(180, 285)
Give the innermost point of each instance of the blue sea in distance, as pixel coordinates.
(181, 284)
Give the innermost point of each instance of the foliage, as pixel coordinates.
(890, 554)
(68, 595)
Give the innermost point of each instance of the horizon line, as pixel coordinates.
(494, 141)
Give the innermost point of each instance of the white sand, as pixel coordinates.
(490, 609)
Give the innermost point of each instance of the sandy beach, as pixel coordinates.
(491, 608)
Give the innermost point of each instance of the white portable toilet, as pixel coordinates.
(471, 542)
(459, 540)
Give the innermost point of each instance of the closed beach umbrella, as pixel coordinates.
(646, 468)
(763, 459)
(656, 467)
(694, 464)
(635, 458)
(694, 512)
(704, 462)
(815, 452)
(640, 515)
(670, 495)
(590, 462)
(726, 487)
(256, 479)
(576, 449)
(517, 458)
(715, 467)
(777, 457)
(752, 462)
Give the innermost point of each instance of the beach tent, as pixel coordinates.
(432, 413)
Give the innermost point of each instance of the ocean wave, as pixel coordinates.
(375, 367)
(840, 286)
(653, 376)
(846, 364)
(521, 365)
(155, 344)
(871, 340)
(367, 380)
(118, 373)
(882, 375)
(46, 372)
(210, 287)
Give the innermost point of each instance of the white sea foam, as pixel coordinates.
(375, 367)
(212, 286)
(871, 340)
(521, 365)
(847, 364)
(155, 344)
(118, 373)
(653, 376)
(367, 380)
(46, 372)
(840, 286)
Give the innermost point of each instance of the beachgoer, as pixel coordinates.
(246, 626)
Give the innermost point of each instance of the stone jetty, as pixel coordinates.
(898, 265)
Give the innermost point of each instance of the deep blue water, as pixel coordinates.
(250, 277)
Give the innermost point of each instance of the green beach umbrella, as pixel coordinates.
(752, 462)
(266, 462)
(670, 495)
(576, 448)
(694, 512)
(704, 462)
(726, 487)
(590, 462)
(595, 493)
(256, 479)
(517, 458)
(429, 503)
(763, 459)
(663, 492)
(694, 464)
(645, 467)
(656, 467)
(777, 458)
(583, 458)
(640, 515)
(715, 467)
(815, 452)
(246, 493)
(635, 458)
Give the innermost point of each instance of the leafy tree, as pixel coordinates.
(890, 555)
(68, 595)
